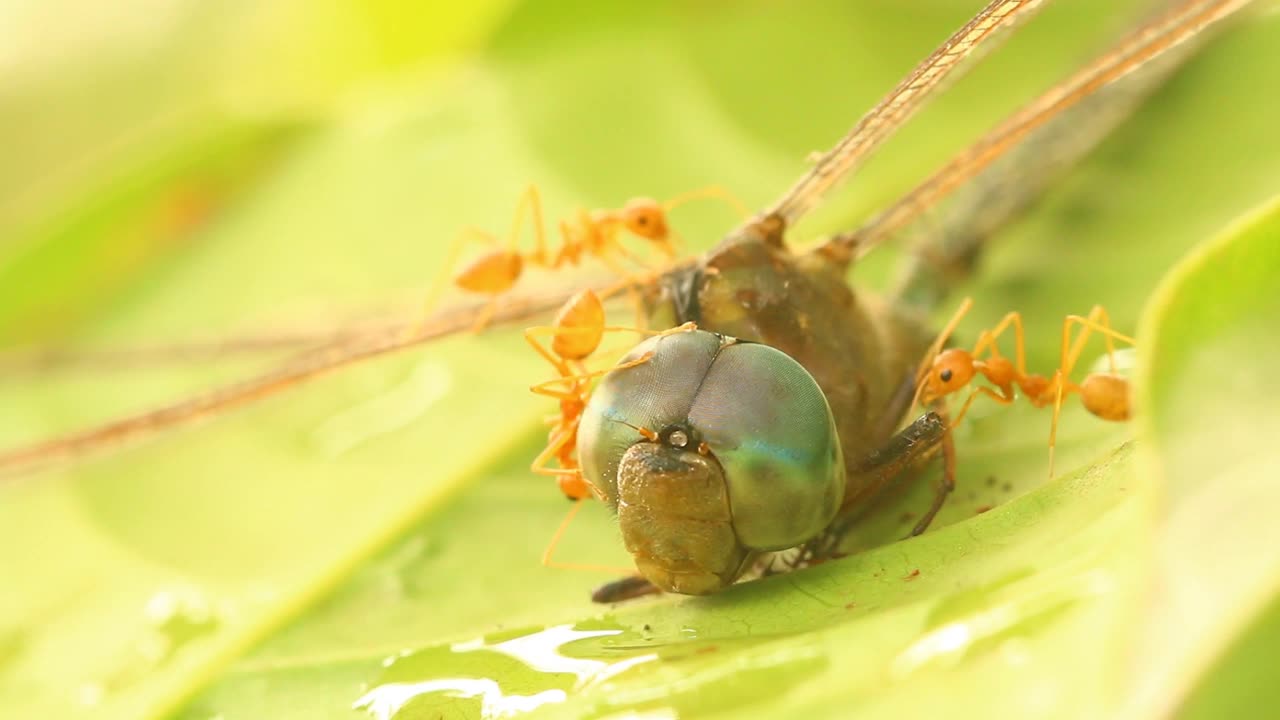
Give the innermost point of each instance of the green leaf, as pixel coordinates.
(266, 563)
(127, 136)
(901, 627)
(1214, 342)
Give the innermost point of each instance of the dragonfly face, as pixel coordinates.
(735, 432)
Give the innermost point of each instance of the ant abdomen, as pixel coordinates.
(492, 273)
(1106, 396)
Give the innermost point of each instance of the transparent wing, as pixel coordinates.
(30, 361)
(899, 105)
(1077, 129)
(338, 352)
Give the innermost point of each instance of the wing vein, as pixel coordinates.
(896, 107)
(1140, 47)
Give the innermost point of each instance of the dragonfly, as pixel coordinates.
(1056, 128)
(234, 508)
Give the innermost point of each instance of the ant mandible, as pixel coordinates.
(1106, 395)
(595, 233)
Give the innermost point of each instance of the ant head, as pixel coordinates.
(951, 370)
(646, 218)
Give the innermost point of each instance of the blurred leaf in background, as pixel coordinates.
(178, 171)
(127, 127)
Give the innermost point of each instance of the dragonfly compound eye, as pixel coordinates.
(746, 457)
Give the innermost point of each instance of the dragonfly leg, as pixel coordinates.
(917, 443)
(947, 480)
(631, 586)
(914, 445)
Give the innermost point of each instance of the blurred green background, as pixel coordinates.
(184, 172)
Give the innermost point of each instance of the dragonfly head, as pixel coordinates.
(739, 456)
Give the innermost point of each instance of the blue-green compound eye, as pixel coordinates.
(768, 423)
(767, 426)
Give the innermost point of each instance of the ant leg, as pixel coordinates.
(1102, 400)
(539, 464)
(1005, 397)
(485, 316)
(1100, 322)
(530, 202)
(989, 338)
(571, 481)
(950, 327)
(675, 245)
(1106, 398)
(530, 336)
(548, 387)
(1097, 321)
(1062, 389)
(496, 272)
(1105, 395)
(683, 327)
(566, 372)
(630, 280)
(470, 234)
(549, 552)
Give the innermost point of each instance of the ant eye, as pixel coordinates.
(642, 220)
(945, 375)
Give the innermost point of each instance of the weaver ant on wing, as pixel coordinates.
(594, 233)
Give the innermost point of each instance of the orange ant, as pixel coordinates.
(576, 332)
(944, 372)
(592, 233)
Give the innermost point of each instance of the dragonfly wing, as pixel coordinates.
(1014, 162)
(899, 105)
